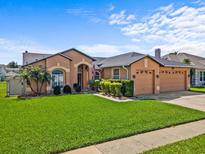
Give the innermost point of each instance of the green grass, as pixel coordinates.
(53, 124)
(190, 146)
(199, 89)
(2, 89)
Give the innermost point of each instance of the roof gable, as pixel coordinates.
(73, 49)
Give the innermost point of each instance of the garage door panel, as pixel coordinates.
(144, 83)
(172, 81)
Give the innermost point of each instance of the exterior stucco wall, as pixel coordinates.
(78, 59)
(69, 68)
(149, 65)
(150, 79)
(107, 73)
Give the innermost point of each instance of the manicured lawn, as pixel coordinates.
(198, 89)
(2, 89)
(190, 146)
(53, 124)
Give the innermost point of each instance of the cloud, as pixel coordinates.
(169, 27)
(121, 18)
(85, 13)
(199, 2)
(12, 50)
(106, 50)
(111, 7)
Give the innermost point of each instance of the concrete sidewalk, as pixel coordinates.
(143, 142)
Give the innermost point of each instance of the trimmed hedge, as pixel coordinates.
(117, 87)
(57, 90)
(67, 89)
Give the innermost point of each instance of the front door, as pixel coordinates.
(80, 79)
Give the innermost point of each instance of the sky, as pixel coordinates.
(101, 28)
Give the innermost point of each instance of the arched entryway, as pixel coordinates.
(57, 78)
(83, 76)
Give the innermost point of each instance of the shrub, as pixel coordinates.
(118, 87)
(112, 89)
(77, 87)
(67, 89)
(107, 87)
(127, 87)
(91, 84)
(97, 84)
(57, 90)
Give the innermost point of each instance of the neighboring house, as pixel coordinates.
(2, 72)
(12, 72)
(151, 75)
(197, 63)
(66, 68)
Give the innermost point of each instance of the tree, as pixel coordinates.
(187, 61)
(12, 64)
(35, 77)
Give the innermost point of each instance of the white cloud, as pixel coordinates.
(85, 13)
(170, 27)
(106, 50)
(11, 50)
(111, 7)
(121, 18)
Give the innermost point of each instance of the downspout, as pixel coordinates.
(126, 70)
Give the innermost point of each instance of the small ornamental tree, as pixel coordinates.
(35, 77)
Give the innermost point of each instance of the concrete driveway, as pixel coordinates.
(188, 99)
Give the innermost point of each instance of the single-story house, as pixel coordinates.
(197, 63)
(66, 68)
(151, 75)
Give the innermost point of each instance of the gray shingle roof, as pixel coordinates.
(196, 61)
(131, 57)
(32, 57)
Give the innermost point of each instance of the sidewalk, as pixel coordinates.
(143, 142)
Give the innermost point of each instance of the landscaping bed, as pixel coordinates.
(190, 146)
(61, 123)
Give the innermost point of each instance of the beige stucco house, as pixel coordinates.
(151, 75)
(66, 68)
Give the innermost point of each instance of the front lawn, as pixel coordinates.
(190, 146)
(199, 89)
(60, 123)
(2, 88)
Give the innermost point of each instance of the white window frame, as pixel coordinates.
(57, 78)
(113, 73)
(99, 75)
(202, 76)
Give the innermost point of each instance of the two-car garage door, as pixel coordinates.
(172, 80)
(169, 80)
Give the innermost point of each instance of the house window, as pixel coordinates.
(97, 75)
(116, 74)
(57, 78)
(202, 76)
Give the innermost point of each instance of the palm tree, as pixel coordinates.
(35, 76)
